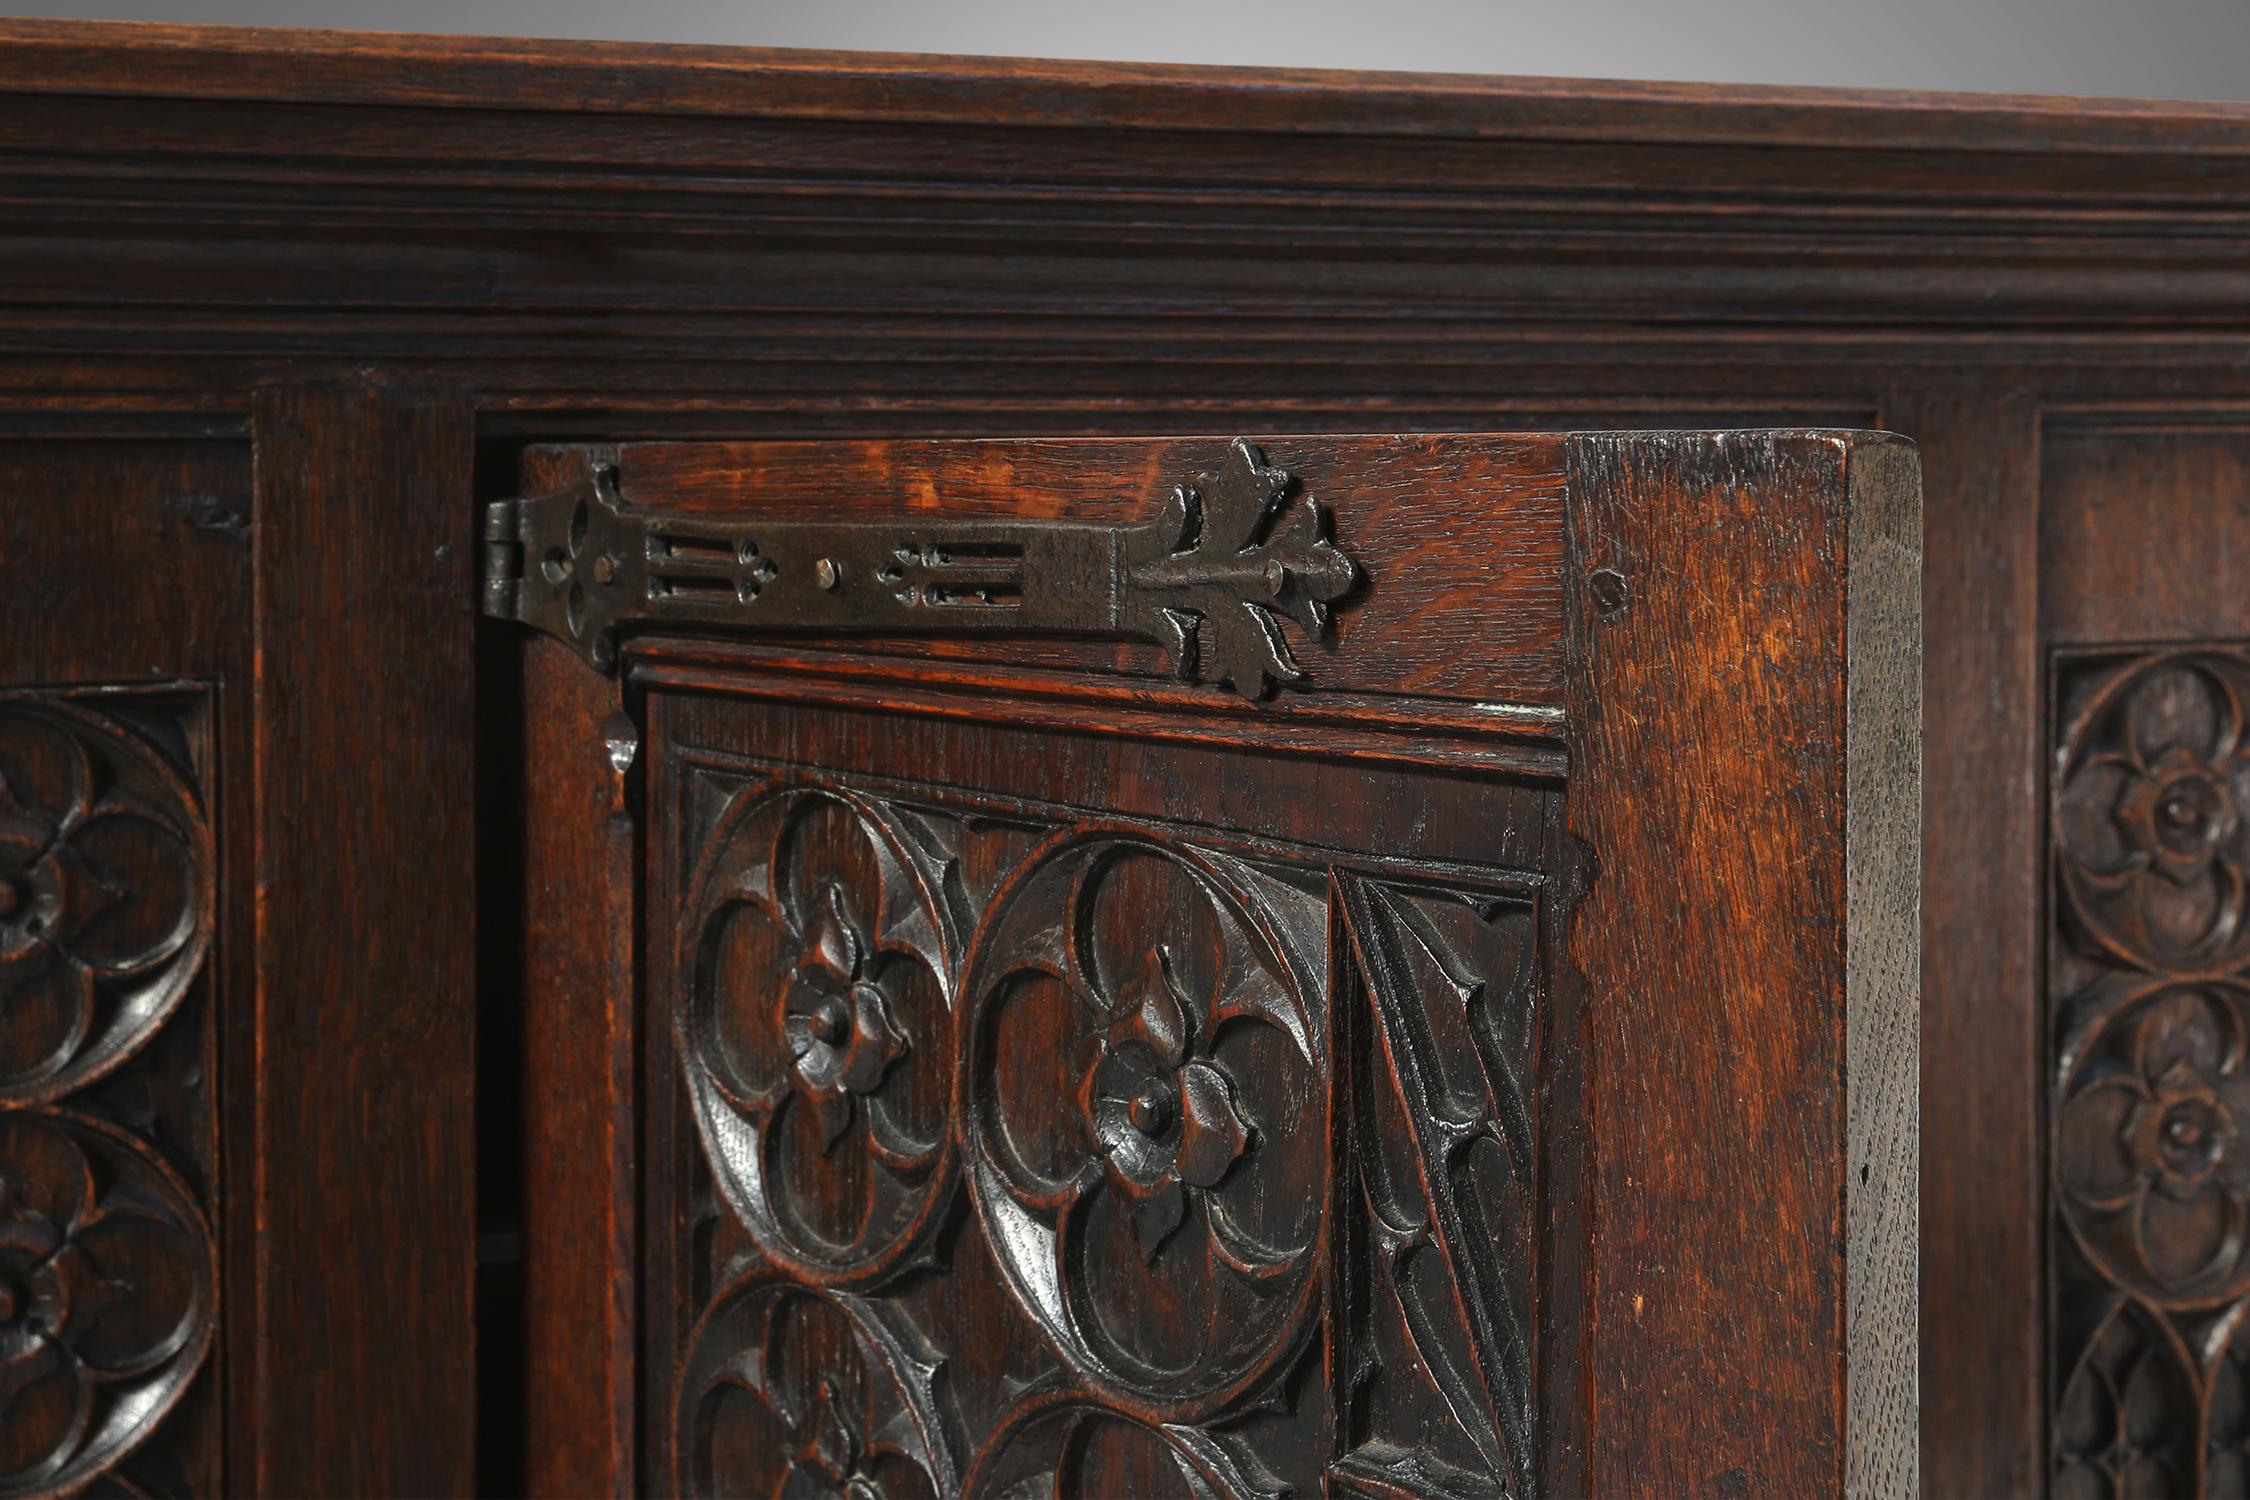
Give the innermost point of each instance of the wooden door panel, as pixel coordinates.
(1057, 1078)
(123, 749)
(1112, 1031)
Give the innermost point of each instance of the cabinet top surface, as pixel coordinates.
(272, 64)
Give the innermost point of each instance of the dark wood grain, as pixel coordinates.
(2144, 530)
(270, 63)
(602, 243)
(155, 700)
(1983, 1180)
(580, 778)
(1708, 778)
(362, 1366)
(868, 919)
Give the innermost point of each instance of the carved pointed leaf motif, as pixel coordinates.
(1443, 1158)
(2127, 1417)
(1223, 573)
(1177, 1154)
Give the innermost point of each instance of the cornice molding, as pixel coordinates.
(785, 210)
(292, 66)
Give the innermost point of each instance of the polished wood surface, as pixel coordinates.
(366, 935)
(592, 243)
(1025, 1097)
(125, 859)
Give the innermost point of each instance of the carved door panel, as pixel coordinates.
(1324, 971)
(121, 725)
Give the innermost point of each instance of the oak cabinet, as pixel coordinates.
(282, 316)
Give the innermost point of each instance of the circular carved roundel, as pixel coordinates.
(105, 896)
(2151, 835)
(1142, 1115)
(107, 1293)
(787, 1390)
(815, 1030)
(2152, 1154)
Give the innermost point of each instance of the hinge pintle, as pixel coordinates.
(503, 559)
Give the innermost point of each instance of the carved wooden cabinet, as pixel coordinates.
(1083, 967)
(1045, 1077)
(296, 828)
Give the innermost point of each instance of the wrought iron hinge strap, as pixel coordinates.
(1208, 578)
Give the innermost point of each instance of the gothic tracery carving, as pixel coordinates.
(108, 1264)
(1127, 1035)
(2150, 1126)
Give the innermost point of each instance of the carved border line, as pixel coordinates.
(1527, 739)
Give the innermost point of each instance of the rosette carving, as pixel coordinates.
(105, 896)
(2150, 1125)
(2150, 834)
(815, 1027)
(2153, 1145)
(788, 1391)
(107, 1284)
(1161, 1220)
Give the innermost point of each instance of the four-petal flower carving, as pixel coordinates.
(2150, 1136)
(2178, 810)
(2151, 812)
(2155, 1150)
(788, 1393)
(837, 1018)
(1160, 1213)
(100, 884)
(1160, 1106)
(51, 1291)
(102, 1295)
(818, 985)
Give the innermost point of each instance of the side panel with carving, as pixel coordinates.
(2144, 541)
(1048, 1120)
(2150, 1015)
(123, 720)
(109, 1272)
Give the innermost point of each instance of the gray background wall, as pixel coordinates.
(2158, 48)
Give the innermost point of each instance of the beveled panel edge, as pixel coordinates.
(1507, 737)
